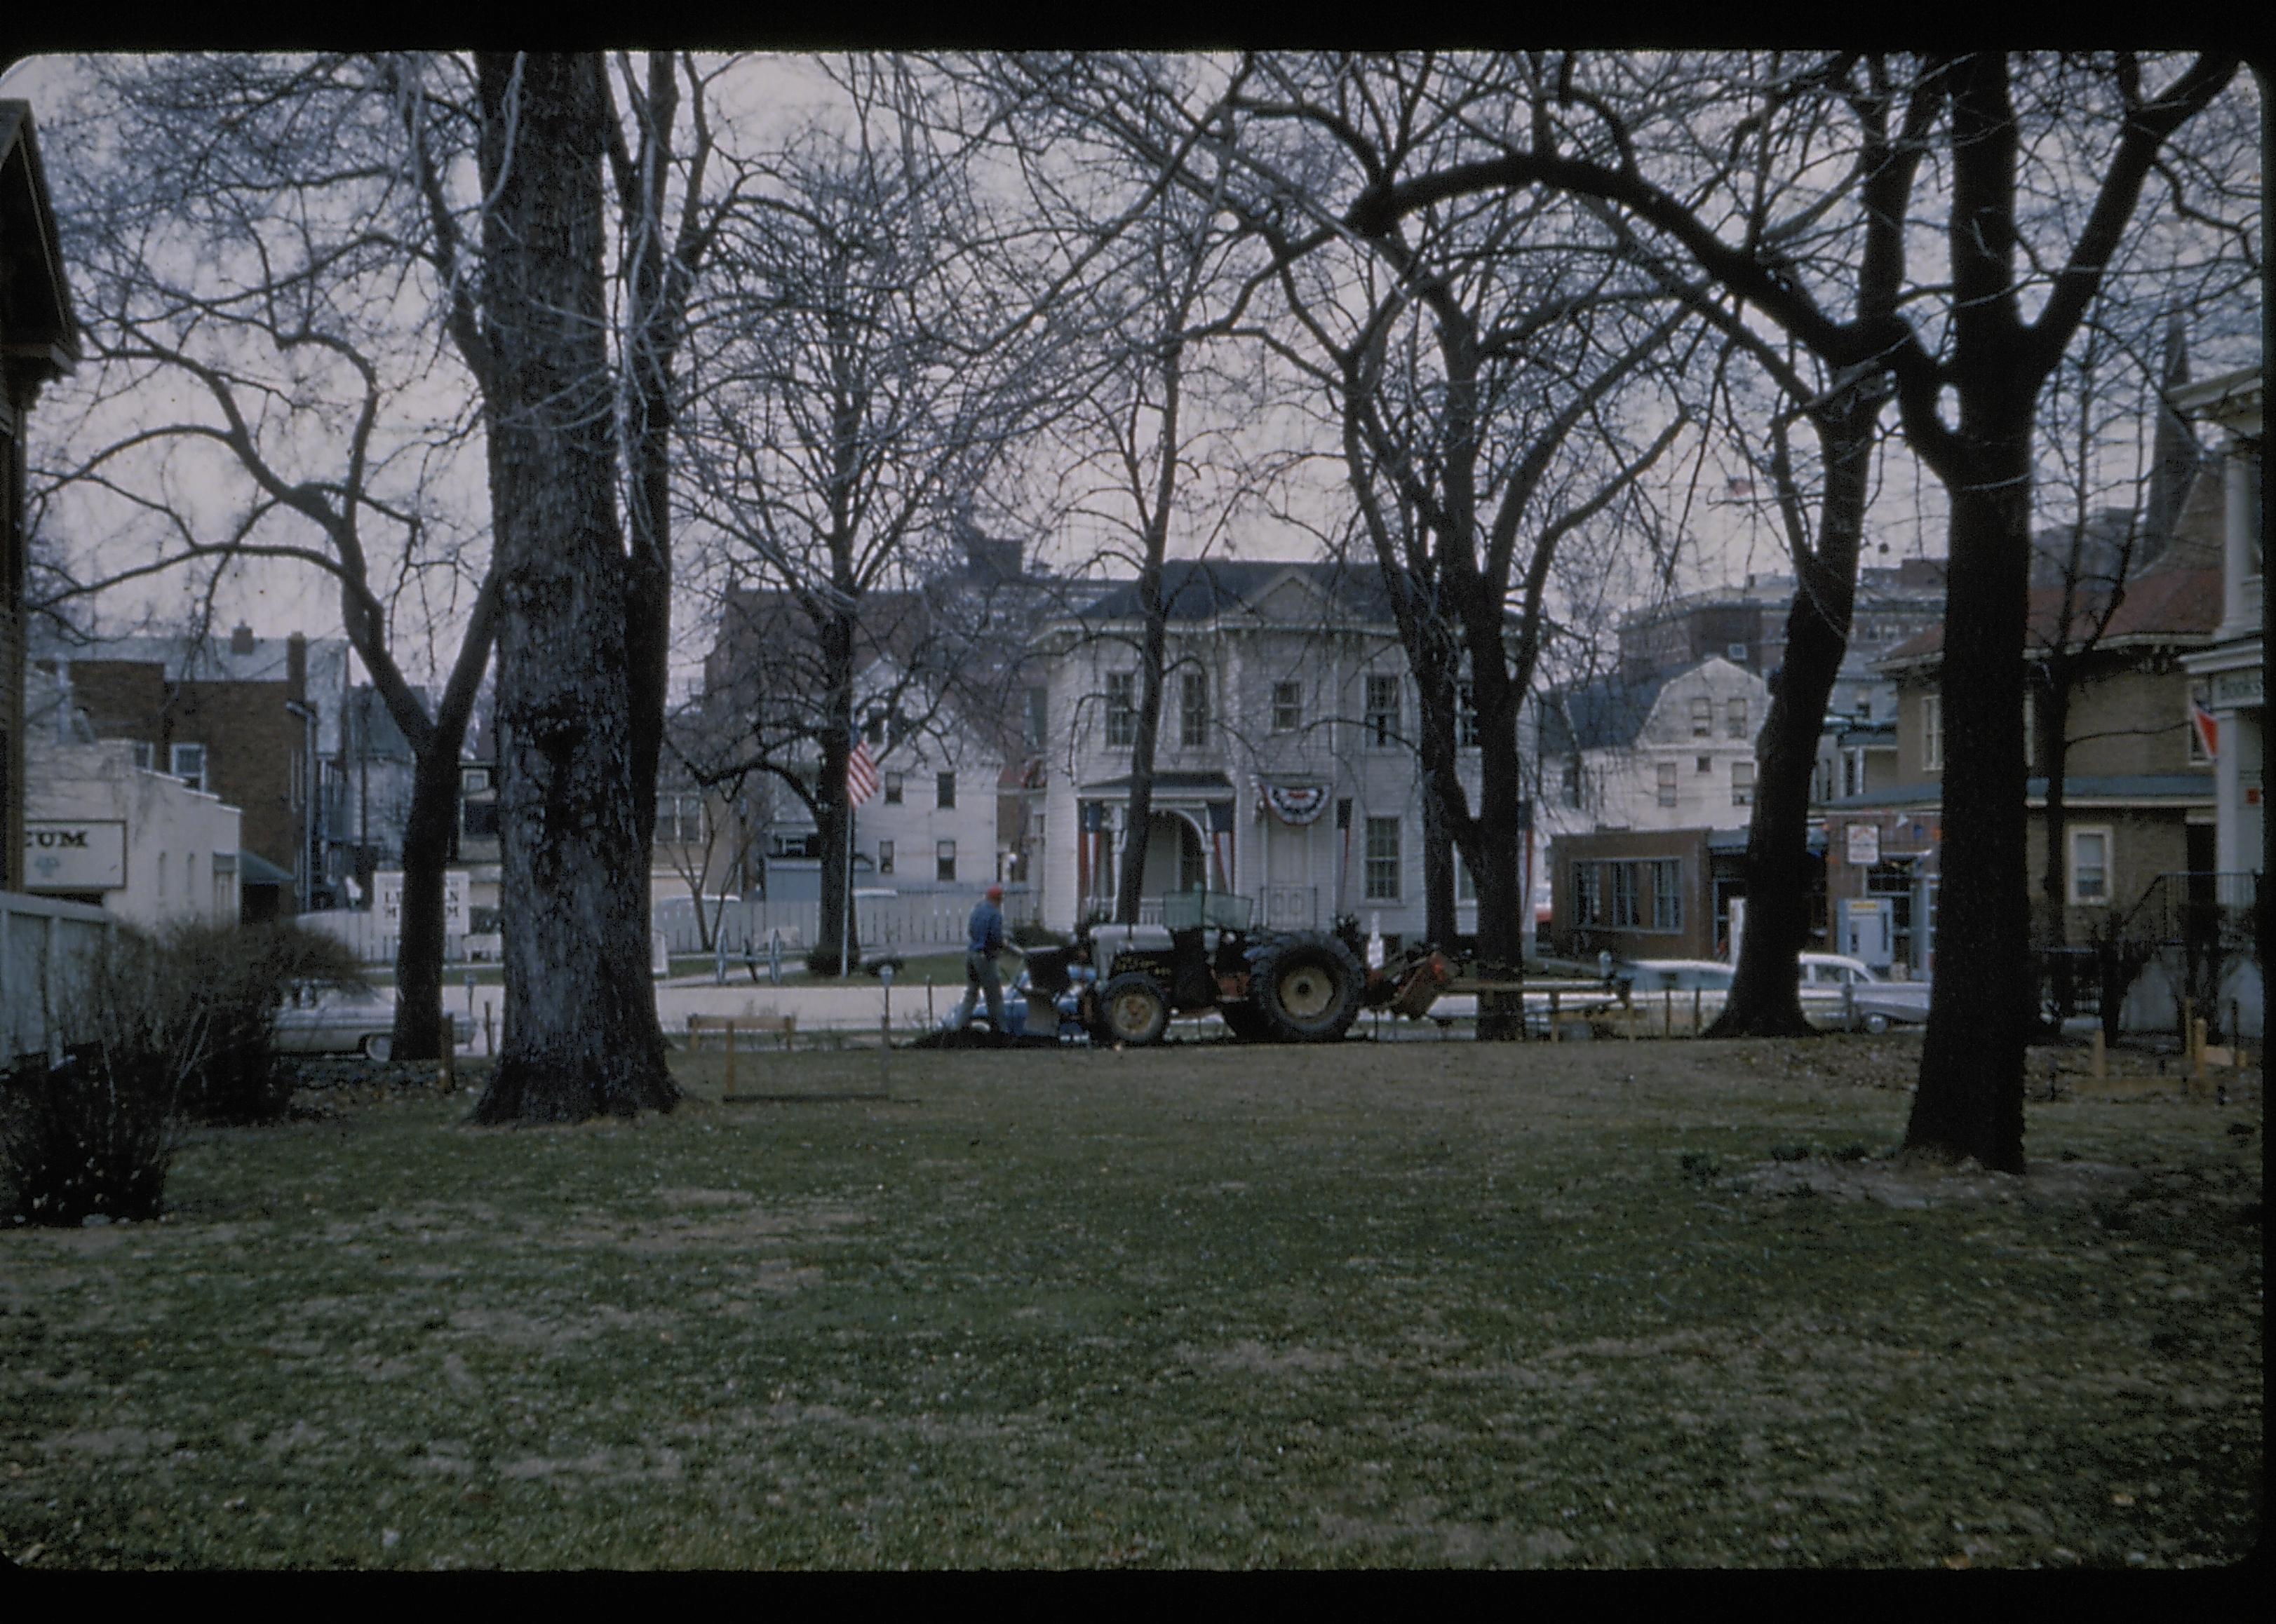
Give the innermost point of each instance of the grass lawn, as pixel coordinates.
(1589, 1304)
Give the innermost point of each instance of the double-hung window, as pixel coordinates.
(1287, 706)
(1742, 784)
(1383, 859)
(1383, 712)
(1667, 783)
(1192, 710)
(1932, 733)
(947, 783)
(1121, 709)
(2090, 867)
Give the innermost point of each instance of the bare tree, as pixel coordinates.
(2099, 128)
(581, 1032)
(860, 383)
(242, 228)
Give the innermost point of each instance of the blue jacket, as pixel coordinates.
(985, 934)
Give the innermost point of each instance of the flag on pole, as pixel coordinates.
(2208, 727)
(861, 774)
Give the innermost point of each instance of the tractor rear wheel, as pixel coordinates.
(1133, 1010)
(1306, 989)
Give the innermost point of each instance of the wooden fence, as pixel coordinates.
(46, 949)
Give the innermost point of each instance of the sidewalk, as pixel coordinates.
(818, 1009)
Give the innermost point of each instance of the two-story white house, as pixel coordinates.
(1285, 768)
(1672, 750)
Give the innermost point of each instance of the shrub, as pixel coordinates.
(93, 1136)
(230, 981)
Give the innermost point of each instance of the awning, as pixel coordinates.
(253, 869)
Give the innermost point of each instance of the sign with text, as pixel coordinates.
(75, 855)
(387, 902)
(1864, 844)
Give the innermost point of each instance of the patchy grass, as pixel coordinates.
(1593, 1304)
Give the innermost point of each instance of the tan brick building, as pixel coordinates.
(2138, 788)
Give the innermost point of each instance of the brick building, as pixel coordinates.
(251, 720)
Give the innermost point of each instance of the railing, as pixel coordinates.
(46, 949)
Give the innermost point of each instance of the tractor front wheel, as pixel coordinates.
(1133, 1010)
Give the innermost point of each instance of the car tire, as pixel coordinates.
(1876, 1024)
(1133, 1010)
(377, 1046)
(1306, 989)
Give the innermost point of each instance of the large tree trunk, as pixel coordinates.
(427, 830)
(433, 817)
(840, 931)
(1765, 991)
(1504, 911)
(1153, 656)
(581, 1031)
(1970, 1102)
(1438, 920)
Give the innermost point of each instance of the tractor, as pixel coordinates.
(1301, 986)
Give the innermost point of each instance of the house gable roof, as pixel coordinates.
(2160, 606)
(38, 333)
(1203, 589)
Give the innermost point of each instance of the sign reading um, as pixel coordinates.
(77, 855)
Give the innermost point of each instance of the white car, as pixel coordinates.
(348, 1020)
(1677, 975)
(1835, 988)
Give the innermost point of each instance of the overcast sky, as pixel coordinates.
(1731, 536)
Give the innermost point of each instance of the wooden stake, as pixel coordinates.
(728, 1091)
(2100, 1061)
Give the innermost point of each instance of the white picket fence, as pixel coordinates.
(361, 930)
(911, 919)
(46, 949)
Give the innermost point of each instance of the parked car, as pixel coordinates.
(1679, 975)
(348, 1020)
(1835, 988)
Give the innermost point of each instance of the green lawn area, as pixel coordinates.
(1587, 1304)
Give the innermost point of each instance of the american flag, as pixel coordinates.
(861, 774)
(2208, 727)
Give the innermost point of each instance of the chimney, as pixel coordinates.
(240, 641)
(296, 667)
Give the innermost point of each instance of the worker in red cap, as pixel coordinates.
(983, 941)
